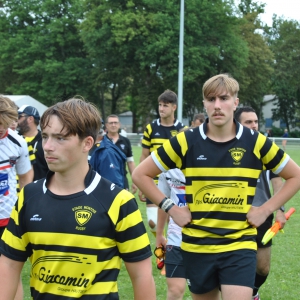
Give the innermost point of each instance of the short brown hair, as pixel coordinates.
(200, 117)
(218, 82)
(168, 96)
(8, 111)
(77, 116)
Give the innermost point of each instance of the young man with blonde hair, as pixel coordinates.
(221, 161)
(74, 226)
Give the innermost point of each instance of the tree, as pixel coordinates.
(284, 39)
(41, 51)
(254, 79)
(135, 44)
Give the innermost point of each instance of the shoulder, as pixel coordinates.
(16, 139)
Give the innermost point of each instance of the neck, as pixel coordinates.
(113, 135)
(221, 133)
(69, 182)
(31, 132)
(167, 121)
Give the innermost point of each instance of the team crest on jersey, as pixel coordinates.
(237, 155)
(13, 160)
(82, 215)
(173, 132)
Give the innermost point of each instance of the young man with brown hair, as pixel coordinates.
(155, 134)
(74, 226)
(221, 161)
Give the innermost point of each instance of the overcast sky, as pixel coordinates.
(289, 9)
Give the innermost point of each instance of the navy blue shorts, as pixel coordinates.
(205, 272)
(174, 262)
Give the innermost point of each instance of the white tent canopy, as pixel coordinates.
(27, 100)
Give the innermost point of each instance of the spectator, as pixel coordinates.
(28, 122)
(284, 141)
(112, 125)
(75, 241)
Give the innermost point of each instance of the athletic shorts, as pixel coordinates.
(148, 201)
(261, 230)
(205, 272)
(174, 262)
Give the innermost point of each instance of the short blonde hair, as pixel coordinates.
(8, 111)
(219, 82)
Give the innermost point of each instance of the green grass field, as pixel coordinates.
(284, 277)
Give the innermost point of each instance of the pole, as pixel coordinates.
(180, 68)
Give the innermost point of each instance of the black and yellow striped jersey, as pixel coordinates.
(75, 243)
(221, 180)
(156, 134)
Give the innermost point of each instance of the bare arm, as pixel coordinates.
(25, 178)
(161, 221)
(142, 177)
(277, 184)
(10, 276)
(131, 167)
(144, 155)
(142, 280)
(291, 173)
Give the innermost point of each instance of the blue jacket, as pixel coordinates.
(108, 160)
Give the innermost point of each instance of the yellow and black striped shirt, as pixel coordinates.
(75, 243)
(221, 180)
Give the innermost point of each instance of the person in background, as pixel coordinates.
(28, 121)
(77, 240)
(14, 160)
(155, 134)
(221, 161)
(198, 120)
(284, 141)
(247, 117)
(112, 125)
(172, 184)
(99, 138)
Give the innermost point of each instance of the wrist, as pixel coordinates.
(166, 204)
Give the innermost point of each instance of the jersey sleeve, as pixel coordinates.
(146, 141)
(13, 243)
(163, 185)
(131, 236)
(23, 164)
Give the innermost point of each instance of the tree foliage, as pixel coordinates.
(41, 53)
(284, 39)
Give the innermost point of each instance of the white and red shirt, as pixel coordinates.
(14, 159)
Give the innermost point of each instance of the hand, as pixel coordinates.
(181, 215)
(256, 216)
(161, 241)
(280, 217)
(133, 188)
(142, 196)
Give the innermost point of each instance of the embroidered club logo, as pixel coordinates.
(82, 216)
(173, 132)
(12, 160)
(237, 154)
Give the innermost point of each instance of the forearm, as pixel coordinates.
(25, 178)
(142, 280)
(9, 279)
(285, 193)
(131, 166)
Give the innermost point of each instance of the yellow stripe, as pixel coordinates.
(139, 243)
(218, 249)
